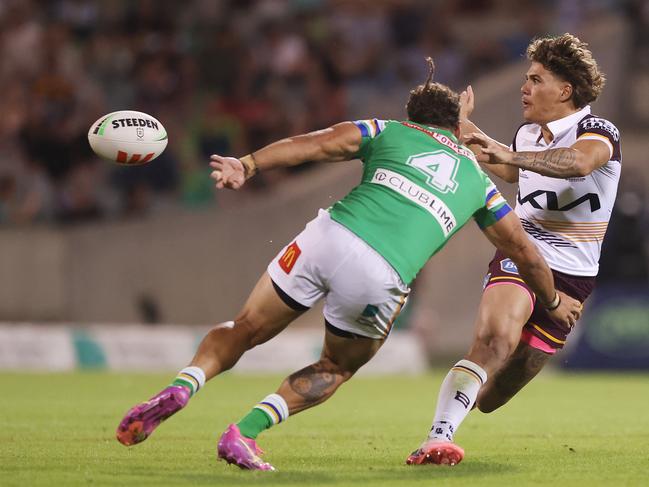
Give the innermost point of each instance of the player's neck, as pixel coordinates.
(548, 136)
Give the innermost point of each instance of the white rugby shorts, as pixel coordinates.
(363, 293)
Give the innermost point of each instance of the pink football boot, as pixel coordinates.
(142, 419)
(437, 452)
(242, 451)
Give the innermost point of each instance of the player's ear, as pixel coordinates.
(566, 92)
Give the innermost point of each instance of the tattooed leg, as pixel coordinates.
(314, 384)
(523, 365)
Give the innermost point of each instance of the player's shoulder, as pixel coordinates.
(372, 127)
(591, 123)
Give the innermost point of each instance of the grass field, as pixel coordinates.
(58, 429)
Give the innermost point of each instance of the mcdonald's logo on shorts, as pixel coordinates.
(289, 257)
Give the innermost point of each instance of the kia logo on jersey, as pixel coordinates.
(552, 201)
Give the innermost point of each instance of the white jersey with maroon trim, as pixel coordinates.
(567, 218)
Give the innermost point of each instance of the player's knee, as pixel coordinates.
(492, 347)
(239, 335)
(248, 327)
(499, 339)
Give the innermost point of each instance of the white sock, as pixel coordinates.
(456, 397)
(191, 377)
(275, 407)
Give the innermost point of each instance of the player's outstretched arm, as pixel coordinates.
(579, 160)
(510, 238)
(339, 142)
(467, 103)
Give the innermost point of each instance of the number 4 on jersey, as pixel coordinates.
(440, 167)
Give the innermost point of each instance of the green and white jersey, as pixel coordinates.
(419, 187)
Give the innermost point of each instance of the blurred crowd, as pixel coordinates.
(223, 77)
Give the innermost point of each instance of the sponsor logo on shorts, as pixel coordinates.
(508, 266)
(289, 257)
(368, 316)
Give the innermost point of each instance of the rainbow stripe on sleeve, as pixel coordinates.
(370, 128)
(496, 204)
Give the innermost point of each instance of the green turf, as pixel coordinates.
(567, 430)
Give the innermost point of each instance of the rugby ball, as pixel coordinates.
(128, 137)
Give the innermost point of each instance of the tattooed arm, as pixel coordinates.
(556, 163)
(580, 159)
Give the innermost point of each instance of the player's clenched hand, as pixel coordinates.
(493, 152)
(568, 312)
(467, 103)
(228, 172)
